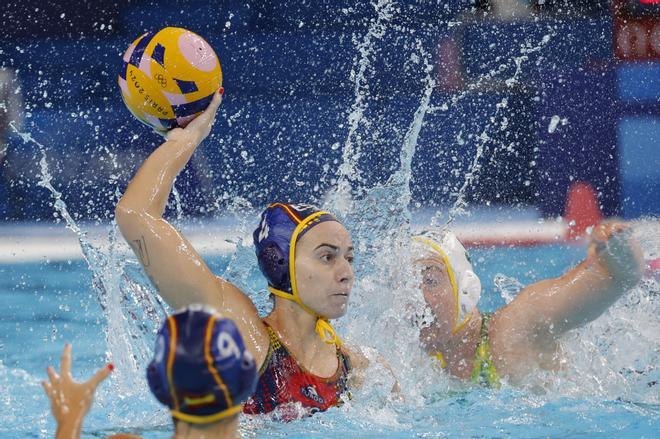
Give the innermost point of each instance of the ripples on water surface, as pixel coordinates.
(608, 385)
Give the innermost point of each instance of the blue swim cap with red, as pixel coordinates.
(275, 244)
(201, 369)
(272, 239)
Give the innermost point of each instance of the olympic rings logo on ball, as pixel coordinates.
(161, 80)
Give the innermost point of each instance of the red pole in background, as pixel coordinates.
(582, 209)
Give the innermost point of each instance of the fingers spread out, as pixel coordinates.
(65, 363)
(100, 375)
(52, 375)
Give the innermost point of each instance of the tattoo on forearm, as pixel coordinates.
(140, 247)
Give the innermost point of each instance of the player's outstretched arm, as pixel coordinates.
(545, 310)
(173, 265)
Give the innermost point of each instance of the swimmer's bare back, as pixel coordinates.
(173, 265)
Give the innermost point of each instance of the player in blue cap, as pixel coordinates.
(201, 371)
(304, 253)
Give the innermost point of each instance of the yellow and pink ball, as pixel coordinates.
(169, 77)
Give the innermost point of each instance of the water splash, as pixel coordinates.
(386, 295)
(614, 357)
(241, 269)
(617, 355)
(341, 198)
(400, 180)
(459, 207)
(132, 310)
(384, 209)
(508, 287)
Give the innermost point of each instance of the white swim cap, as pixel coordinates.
(464, 281)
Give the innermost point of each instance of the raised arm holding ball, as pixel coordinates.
(304, 253)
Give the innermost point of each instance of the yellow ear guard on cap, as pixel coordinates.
(323, 326)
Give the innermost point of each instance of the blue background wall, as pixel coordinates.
(284, 120)
(639, 138)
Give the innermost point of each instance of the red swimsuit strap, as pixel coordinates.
(276, 345)
(282, 381)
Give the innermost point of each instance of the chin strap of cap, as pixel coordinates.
(323, 326)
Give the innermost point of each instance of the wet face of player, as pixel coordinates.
(323, 267)
(437, 291)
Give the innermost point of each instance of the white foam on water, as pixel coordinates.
(508, 287)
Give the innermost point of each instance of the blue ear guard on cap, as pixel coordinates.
(272, 239)
(201, 369)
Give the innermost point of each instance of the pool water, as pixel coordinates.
(607, 390)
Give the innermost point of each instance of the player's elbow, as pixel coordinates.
(128, 219)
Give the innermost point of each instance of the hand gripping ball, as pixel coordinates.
(169, 77)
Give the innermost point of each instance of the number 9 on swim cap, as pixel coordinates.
(169, 77)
